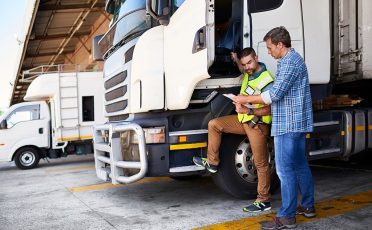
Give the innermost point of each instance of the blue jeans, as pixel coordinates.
(294, 173)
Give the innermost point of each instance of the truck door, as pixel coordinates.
(188, 50)
(347, 44)
(23, 126)
(264, 15)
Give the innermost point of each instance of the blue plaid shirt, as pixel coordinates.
(290, 96)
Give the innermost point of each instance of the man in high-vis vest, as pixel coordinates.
(252, 120)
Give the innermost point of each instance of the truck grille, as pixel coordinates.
(113, 93)
(117, 79)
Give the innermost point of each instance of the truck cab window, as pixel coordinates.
(255, 6)
(88, 108)
(25, 113)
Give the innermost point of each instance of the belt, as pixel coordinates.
(254, 121)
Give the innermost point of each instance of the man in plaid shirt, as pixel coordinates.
(292, 118)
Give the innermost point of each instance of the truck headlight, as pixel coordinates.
(154, 135)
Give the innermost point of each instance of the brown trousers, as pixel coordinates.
(258, 139)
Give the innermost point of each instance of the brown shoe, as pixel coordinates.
(279, 223)
(306, 212)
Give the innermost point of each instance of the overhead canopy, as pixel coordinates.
(55, 30)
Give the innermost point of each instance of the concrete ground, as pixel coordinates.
(65, 194)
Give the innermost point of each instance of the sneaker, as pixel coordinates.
(279, 223)
(258, 206)
(203, 162)
(306, 212)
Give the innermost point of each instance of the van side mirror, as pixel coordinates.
(3, 124)
(97, 54)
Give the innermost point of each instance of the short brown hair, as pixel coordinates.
(246, 52)
(279, 34)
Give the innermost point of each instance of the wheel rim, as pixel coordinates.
(244, 161)
(27, 158)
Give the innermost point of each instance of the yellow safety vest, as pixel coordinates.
(254, 87)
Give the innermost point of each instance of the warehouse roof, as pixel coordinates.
(56, 28)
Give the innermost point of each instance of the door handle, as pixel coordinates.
(41, 130)
(200, 40)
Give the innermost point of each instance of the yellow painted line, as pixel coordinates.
(70, 169)
(109, 185)
(74, 138)
(188, 146)
(360, 128)
(369, 127)
(324, 209)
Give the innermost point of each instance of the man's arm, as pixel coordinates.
(234, 57)
(264, 111)
(285, 78)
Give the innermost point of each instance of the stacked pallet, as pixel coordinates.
(336, 101)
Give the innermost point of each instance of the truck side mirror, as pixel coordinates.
(160, 10)
(97, 54)
(3, 124)
(110, 6)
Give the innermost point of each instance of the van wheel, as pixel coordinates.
(27, 158)
(237, 174)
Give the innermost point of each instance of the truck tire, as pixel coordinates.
(236, 173)
(27, 158)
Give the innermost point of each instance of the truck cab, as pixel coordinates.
(25, 128)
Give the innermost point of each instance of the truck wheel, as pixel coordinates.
(27, 158)
(237, 174)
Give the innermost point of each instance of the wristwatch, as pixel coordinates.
(250, 111)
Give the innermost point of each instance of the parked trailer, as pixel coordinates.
(165, 75)
(56, 121)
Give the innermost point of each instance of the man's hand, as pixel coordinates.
(239, 108)
(241, 99)
(244, 99)
(234, 57)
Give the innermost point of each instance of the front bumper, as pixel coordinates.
(107, 151)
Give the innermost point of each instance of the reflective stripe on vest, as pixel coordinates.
(256, 85)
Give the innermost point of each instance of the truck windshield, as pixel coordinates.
(129, 21)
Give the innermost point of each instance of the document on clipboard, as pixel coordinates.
(248, 105)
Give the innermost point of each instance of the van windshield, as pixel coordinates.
(24, 113)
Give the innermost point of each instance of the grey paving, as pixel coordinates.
(40, 199)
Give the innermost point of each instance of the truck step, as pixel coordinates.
(190, 168)
(324, 151)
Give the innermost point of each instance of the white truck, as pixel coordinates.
(167, 64)
(56, 121)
